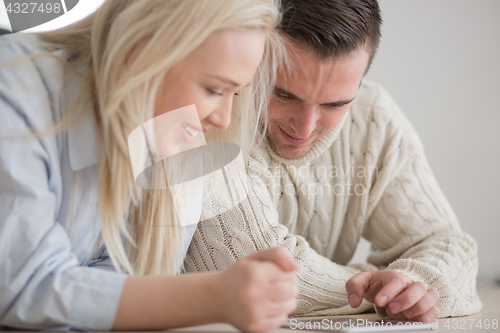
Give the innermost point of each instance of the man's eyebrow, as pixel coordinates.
(226, 80)
(339, 103)
(289, 94)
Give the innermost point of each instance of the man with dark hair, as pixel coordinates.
(342, 162)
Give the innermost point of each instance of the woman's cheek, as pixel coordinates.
(206, 107)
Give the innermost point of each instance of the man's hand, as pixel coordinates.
(402, 298)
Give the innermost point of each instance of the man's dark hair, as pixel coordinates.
(333, 28)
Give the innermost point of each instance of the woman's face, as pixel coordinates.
(208, 77)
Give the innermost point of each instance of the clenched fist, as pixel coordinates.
(258, 291)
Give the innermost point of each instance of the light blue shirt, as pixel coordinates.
(43, 281)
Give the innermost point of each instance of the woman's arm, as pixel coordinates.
(254, 294)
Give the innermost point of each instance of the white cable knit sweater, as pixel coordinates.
(367, 177)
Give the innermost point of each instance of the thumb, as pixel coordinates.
(277, 255)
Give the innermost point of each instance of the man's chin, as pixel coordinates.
(292, 153)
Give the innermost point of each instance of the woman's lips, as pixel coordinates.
(292, 139)
(190, 132)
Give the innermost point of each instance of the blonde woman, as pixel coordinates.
(81, 245)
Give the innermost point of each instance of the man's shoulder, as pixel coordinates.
(372, 98)
(376, 118)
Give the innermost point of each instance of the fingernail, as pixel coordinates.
(292, 264)
(353, 298)
(383, 299)
(409, 313)
(395, 307)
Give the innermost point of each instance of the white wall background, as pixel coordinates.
(4, 19)
(440, 60)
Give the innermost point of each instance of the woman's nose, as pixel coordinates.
(221, 117)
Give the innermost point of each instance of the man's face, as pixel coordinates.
(311, 97)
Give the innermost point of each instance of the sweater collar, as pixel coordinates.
(317, 150)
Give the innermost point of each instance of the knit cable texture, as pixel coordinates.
(367, 177)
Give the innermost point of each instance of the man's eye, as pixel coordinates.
(281, 95)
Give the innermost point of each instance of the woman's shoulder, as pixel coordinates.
(25, 54)
(31, 79)
(17, 44)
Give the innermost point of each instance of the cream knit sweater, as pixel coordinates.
(367, 177)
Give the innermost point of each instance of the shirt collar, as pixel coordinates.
(84, 145)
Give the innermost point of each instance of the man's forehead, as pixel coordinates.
(321, 81)
(301, 57)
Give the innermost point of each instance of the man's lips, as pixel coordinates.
(293, 140)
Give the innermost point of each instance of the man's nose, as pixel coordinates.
(304, 122)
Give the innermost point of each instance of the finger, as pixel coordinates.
(283, 291)
(356, 287)
(279, 276)
(391, 289)
(423, 305)
(430, 316)
(413, 293)
(273, 274)
(278, 255)
(274, 309)
(396, 316)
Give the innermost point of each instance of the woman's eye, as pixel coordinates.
(218, 93)
(214, 92)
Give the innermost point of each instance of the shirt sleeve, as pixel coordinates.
(102, 260)
(41, 284)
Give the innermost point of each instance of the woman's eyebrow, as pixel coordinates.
(225, 79)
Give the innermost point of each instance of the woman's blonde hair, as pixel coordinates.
(124, 95)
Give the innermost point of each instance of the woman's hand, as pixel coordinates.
(258, 292)
(255, 294)
(402, 298)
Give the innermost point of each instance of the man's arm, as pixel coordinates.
(424, 240)
(413, 229)
(253, 225)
